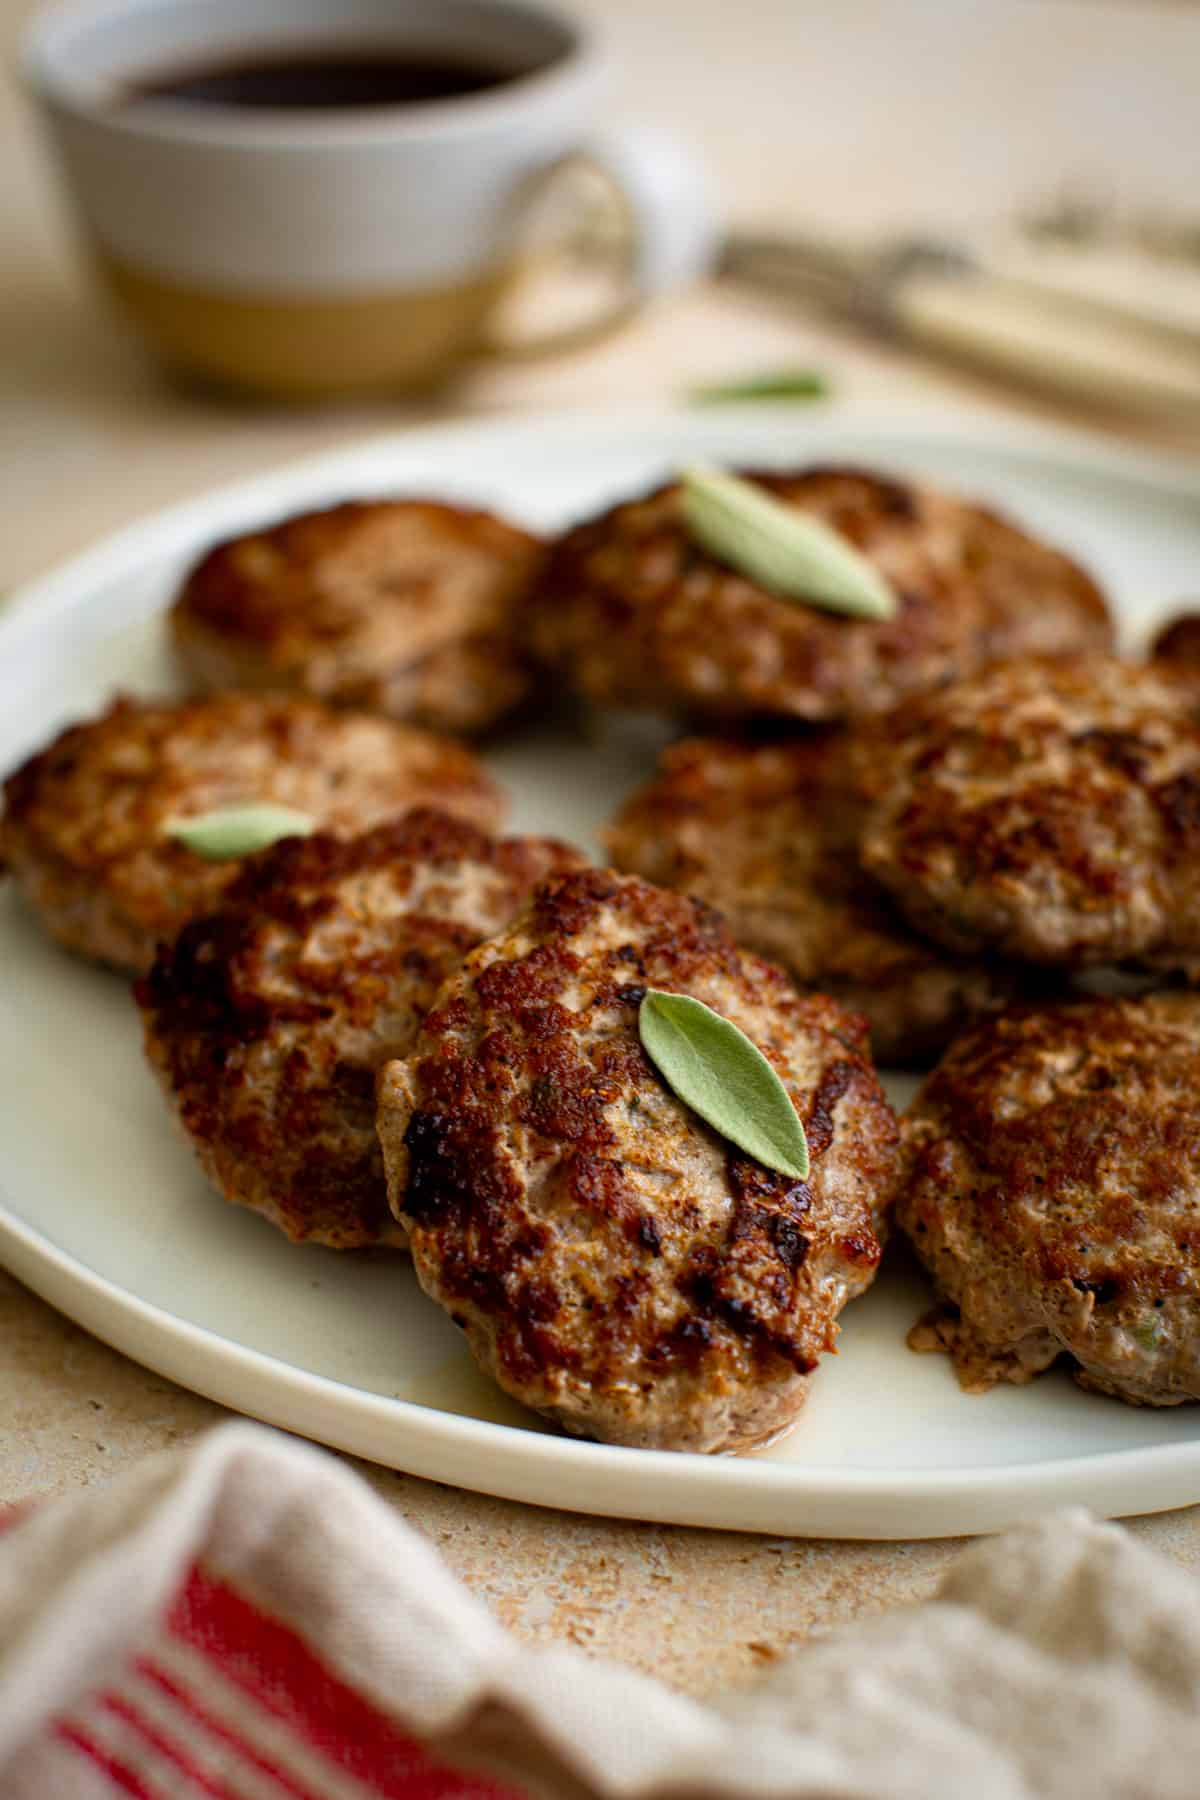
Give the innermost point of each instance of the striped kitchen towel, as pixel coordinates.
(245, 1620)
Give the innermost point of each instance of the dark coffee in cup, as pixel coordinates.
(324, 77)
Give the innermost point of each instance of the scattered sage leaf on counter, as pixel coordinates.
(797, 556)
(715, 1069)
(238, 830)
(772, 384)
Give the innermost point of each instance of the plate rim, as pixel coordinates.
(928, 1503)
(732, 1493)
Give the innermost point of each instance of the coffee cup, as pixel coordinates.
(324, 241)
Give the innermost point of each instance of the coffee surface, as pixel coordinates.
(325, 77)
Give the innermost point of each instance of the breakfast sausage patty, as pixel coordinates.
(617, 1264)
(638, 615)
(266, 1020)
(1048, 810)
(1178, 641)
(768, 834)
(84, 825)
(1052, 1188)
(405, 607)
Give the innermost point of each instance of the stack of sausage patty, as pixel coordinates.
(915, 834)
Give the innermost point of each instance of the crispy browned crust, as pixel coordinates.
(267, 1020)
(768, 834)
(615, 1263)
(405, 607)
(1048, 810)
(1052, 1188)
(1179, 641)
(640, 616)
(83, 823)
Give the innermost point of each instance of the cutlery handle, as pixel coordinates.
(1009, 328)
(1068, 296)
(950, 304)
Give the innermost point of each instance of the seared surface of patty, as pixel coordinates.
(1052, 1188)
(267, 1020)
(768, 833)
(1048, 810)
(84, 823)
(1179, 641)
(639, 616)
(405, 607)
(615, 1263)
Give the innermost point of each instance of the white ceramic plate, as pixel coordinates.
(103, 1212)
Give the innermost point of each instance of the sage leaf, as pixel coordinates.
(237, 830)
(790, 552)
(1148, 1330)
(774, 384)
(716, 1070)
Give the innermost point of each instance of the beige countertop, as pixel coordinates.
(90, 438)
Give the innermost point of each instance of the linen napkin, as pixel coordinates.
(245, 1620)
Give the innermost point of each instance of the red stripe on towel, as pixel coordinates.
(273, 1665)
(200, 1715)
(198, 1777)
(119, 1773)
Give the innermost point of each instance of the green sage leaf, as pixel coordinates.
(791, 552)
(237, 830)
(1149, 1330)
(774, 384)
(716, 1070)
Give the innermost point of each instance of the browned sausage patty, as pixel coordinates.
(83, 829)
(769, 835)
(1047, 810)
(1052, 1188)
(1179, 641)
(639, 616)
(267, 1020)
(615, 1263)
(405, 607)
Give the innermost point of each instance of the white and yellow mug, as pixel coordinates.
(304, 252)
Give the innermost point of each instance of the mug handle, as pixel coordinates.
(663, 234)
